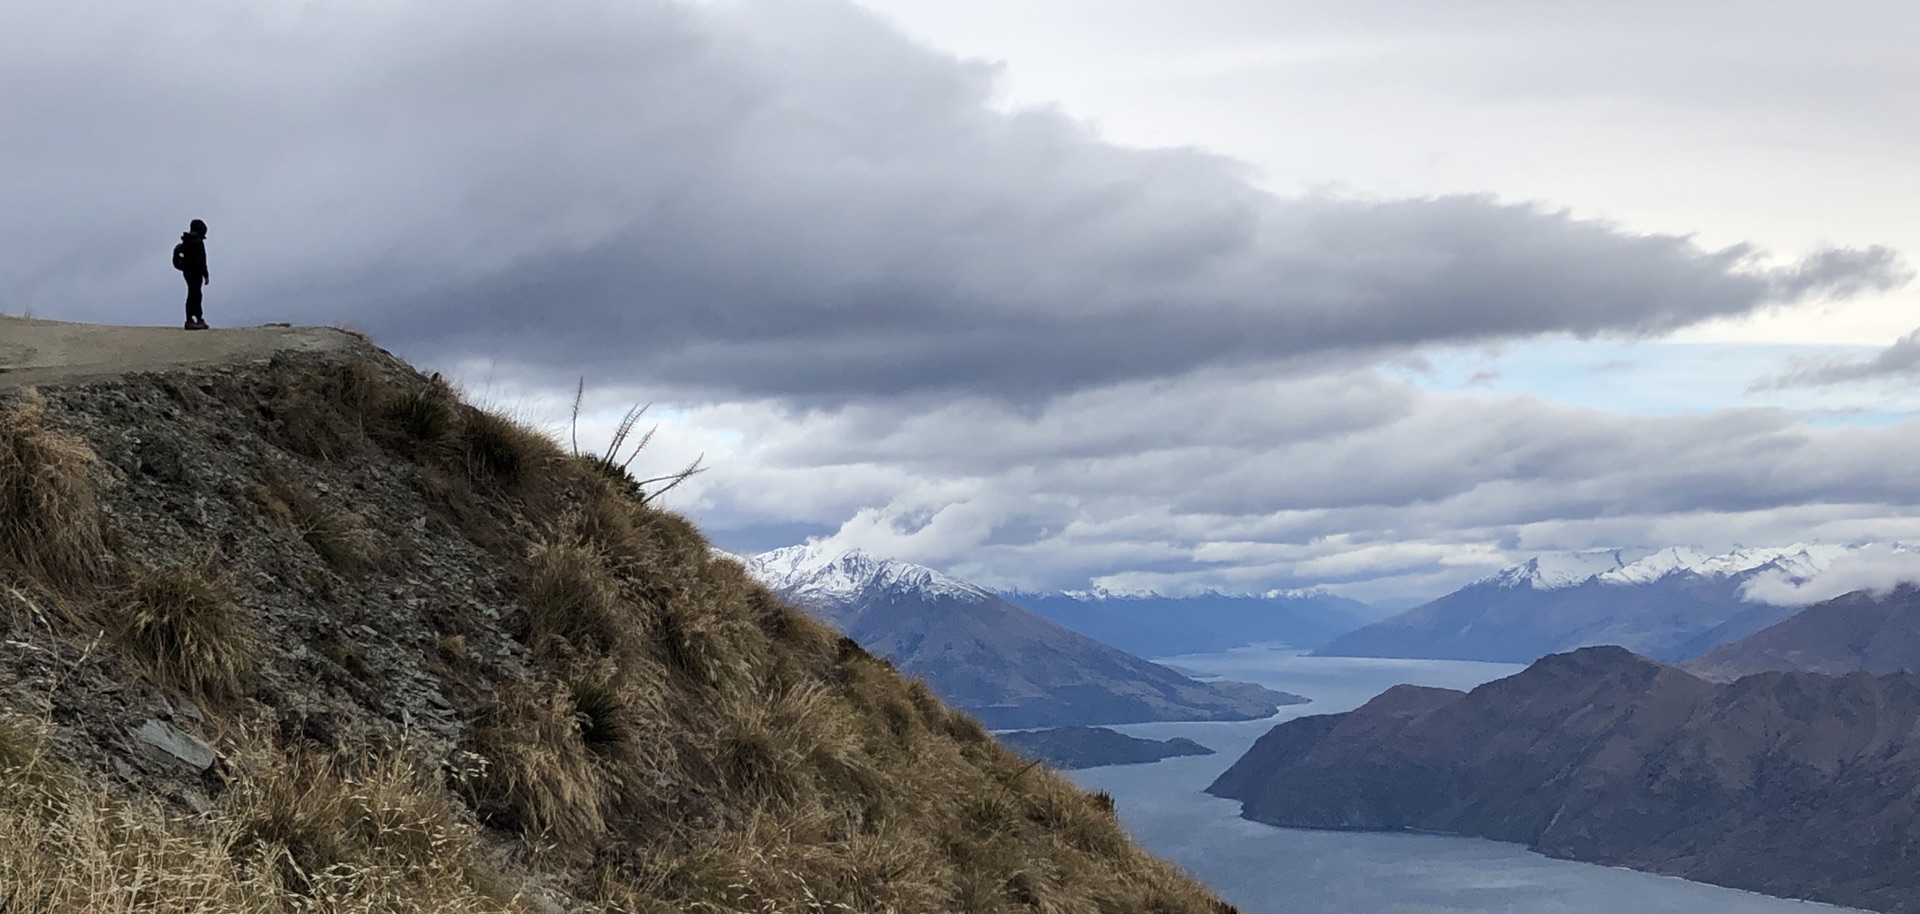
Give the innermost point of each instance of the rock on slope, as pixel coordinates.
(1865, 632)
(1152, 625)
(311, 634)
(1790, 784)
(1668, 604)
(1005, 665)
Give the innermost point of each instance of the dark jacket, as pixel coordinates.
(195, 265)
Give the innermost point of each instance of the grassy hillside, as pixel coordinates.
(315, 635)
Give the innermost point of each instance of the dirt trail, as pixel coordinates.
(34, 352)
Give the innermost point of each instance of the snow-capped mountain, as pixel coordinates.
(1629, 567)
(815, 573)
(1669, 604)
(1007, 666)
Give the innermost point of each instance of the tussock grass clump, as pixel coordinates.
(182, 625)
(606, 724)
(311, 816)
(766, 741)
(340, 537)
(501, 451)
(571, 596)
(540, 777)
(423, 416)
(324, 415)
(50, 523)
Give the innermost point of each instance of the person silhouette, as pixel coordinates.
(190, 258)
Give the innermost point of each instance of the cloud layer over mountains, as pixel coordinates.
(996, 342)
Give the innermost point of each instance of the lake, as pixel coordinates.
(1267, 870)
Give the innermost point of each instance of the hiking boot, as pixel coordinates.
(196, 325)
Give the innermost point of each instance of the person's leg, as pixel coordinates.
(193, 300)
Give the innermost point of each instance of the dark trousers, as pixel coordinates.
(193, 298)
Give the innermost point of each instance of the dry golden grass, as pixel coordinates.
(50, 524)
(538, 775)
(573, 602)
(181, 624)
(684, 741)
(297, 833)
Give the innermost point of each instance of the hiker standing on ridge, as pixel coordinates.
(190, 258)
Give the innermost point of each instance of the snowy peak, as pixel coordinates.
(1566, 569)
(1097, 594)
(1632, 567)
(814, 572)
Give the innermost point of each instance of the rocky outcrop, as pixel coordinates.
(1859, 632)
(1791, 784)
(1093, 747)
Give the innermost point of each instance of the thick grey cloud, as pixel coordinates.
(766, 199)
(1899, 360)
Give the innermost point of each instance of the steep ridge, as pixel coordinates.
(1668, 604)
(1153, 625)
(1858, 632)
(295, 629)
(1005, 665)
(1791, 784)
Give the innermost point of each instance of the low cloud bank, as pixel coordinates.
(1875, 568)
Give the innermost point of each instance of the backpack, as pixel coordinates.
(180, 257)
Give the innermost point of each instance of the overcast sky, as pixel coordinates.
(1228, 293)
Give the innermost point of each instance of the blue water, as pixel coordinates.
(1267, 870)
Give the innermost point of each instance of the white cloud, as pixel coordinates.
(1877, 568)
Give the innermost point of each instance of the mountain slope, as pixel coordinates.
(303, 632)
(1791, 784)
(1859, 632)
(1669, 604)
(1005, 665)
(1151, 625)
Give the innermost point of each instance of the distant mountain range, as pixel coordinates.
(1789, 783)
(1007, 666)
(1669, 604)
(1152, 625)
